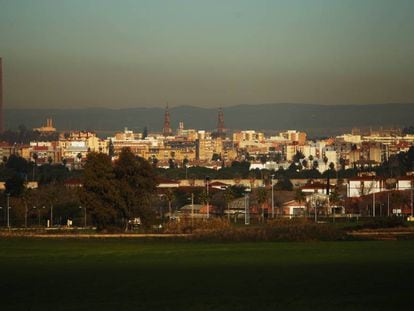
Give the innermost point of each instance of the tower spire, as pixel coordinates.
(166, 131)
(220, 123)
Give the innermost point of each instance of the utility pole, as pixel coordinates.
(51, 215)
(411, 201)
(192, 210)
(373, 204)
(84, 218)
(273, 203)
(388, 204)
(246, 209)
(207, 199)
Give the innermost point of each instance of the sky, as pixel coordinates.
(136, 53)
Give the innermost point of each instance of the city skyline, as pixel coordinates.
(60, 54)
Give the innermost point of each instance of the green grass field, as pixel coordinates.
(110, 274)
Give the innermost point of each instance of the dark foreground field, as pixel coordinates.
(115, 274)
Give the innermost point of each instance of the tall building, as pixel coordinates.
(1, 97)
(167, 131)
(48, 128)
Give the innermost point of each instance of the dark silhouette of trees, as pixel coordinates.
(113, 194)
(99, 193)
(136, 184)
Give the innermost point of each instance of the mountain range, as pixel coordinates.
(316, 120)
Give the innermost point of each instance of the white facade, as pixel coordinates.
(360, 187)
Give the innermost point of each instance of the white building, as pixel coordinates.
(360, 186)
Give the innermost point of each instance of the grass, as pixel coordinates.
(109, 274)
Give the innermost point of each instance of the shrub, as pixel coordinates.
(184, 226)
(384, 222)
(291, 232)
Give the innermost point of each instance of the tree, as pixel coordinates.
(169, 196)
(154, 161)
(35, 156)
(100, 194)
(136, 184)
(298, 156)
(145, 132)
(17, 164)
(262, 196)
(228, 197)
(277, 157)
(299, 195)
(171, 163)
(263, 159)
(216, 157)
(111, 149)
(15, 185)
(342, 162)
(284, 184)
(325, 160)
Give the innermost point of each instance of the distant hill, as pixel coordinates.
(317, 120)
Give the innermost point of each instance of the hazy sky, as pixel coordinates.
(89, 53)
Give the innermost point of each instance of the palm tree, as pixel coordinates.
(228, 196)
(262, 196)
(325, 160)
(300, 196)
(169, 196)
(35, 156)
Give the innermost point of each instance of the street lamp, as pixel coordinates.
(8, 209)
(246, 208)
(80, 207)
(207, 199)
(273, 203)
(51, 215)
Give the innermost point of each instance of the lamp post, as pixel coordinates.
(373, 204)
(207, 198)
(273, 200)
(388, 204)
(51, 215)
(246, 209)
(8, 209)
(412, 201)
